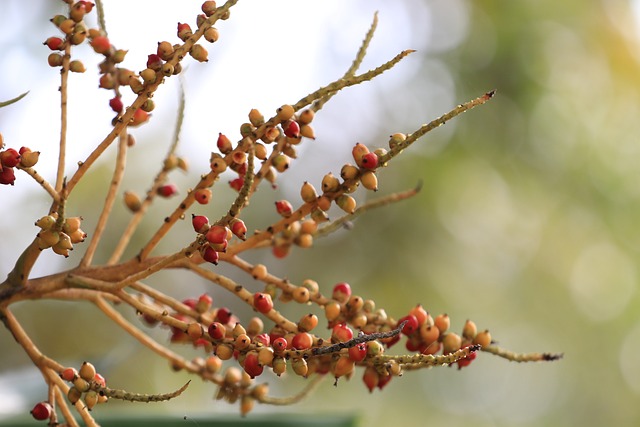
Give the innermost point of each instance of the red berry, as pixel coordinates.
(100, 380)
(237, 183)
(69, 374)
(223, 315)
(154, 62)
(292, 129)
(341, 292)
(279, 344)
(202, 195)
(262, 302)
(341, 333)
(467, 360)
(184, 31)
(204, 303)
(167, 190)
(217, 330)
(238, 228)
(190, 302)
(217, 234)
(420, 313)
(101, 44)
(224, 144)
(284, 208)
(116, 104)
(302, 341)
(210, 255)
(358, 352)
(371, 378)
(7, 176)
(263, 339)
(251, 364)
(139, 117)
(9, 158)
(369, 161)
(411, 326)
(200, 223)
(42, 411)
(55, 43)
(383, 381)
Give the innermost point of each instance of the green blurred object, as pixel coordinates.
(272, 420)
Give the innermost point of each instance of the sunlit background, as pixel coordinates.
(527, 222)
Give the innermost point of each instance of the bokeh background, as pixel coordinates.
(527, 221)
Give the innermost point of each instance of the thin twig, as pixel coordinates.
(311, 385)
(43, 183)
(118, 173)
(362, 51)
(373, 204)
(522, 357)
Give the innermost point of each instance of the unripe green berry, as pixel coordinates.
(77, 67)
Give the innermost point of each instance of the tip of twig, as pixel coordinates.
(552, 356)
(418, 186)
(490, 94)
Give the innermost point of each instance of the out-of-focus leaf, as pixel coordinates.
(11, 101)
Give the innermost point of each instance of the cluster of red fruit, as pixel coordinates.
(86, 384)
(11, 158)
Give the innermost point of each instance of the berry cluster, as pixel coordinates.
(10, 158)
(235, 352)
(59, 233)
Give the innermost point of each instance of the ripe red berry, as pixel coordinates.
(262, 302)
(42, 411)
(167, 190)
(358, 352)
(302, 341)
(383, 381)
(7, 176)
(411, 326)
(371, 378)
(154, 62)
(9, 158)
(292, 129)
(200, 223)
(341, 333)
(184, 31)
(202, 195)
(139, 117)
(252, 365)
(69, 374)
(237, 183)
(217, 234)
(467, 360)
(204, 303)
(238, 228)
(262, 339)
(284, 208)
(223, 315)
(369, 161)
(341, 292)
(210, 255)
(217, 330)
(55, 43)
(116, 104)
(279, 344)
(101, 44)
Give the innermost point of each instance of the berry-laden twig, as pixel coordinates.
(234, 351)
